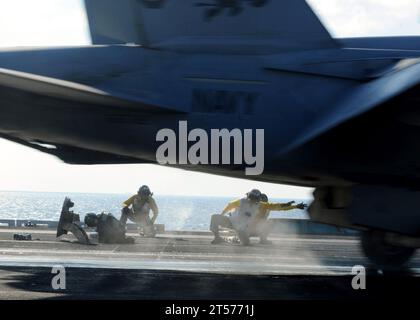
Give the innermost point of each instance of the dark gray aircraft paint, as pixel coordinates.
(340, 115)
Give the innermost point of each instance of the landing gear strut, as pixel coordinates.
(382, 254)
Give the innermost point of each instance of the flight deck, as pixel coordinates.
(184, 265)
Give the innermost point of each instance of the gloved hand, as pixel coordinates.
(125, 210)
(301, 206)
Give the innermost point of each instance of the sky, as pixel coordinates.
(63, 22)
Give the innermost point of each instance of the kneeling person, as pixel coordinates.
(248, 213)
(243, 212)
(141, 204)
(109, 229)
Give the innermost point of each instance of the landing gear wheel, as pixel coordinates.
(383, 255)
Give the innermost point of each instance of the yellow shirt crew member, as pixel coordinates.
(143, 207)
(141, 204)
(248, 217)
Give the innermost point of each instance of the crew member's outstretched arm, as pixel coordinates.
(281, 206)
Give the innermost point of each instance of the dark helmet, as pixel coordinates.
(144, 191)
(91, 220)
(254, 194)
(264, 198)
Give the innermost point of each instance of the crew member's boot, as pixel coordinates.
(244, 237)
(214, 227)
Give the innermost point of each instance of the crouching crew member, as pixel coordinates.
(109, 229)
(243, 215)
(137, 209)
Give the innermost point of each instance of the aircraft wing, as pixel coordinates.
(366, 96)
(70, 91)
(35, 91)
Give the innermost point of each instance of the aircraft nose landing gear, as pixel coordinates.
(384, 255)
(390, 230)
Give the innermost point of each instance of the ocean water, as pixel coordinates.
(175, 212)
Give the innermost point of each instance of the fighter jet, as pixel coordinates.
(339, 115)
